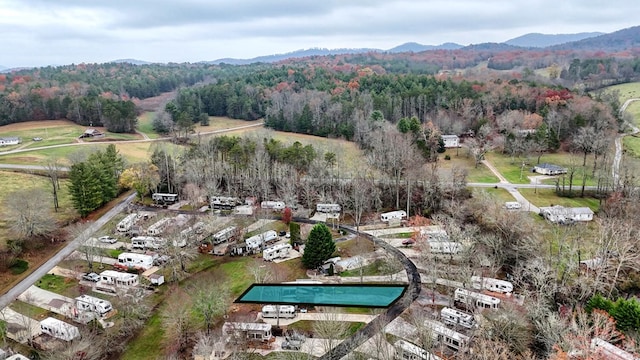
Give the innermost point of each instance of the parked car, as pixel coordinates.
(407, 242)
(282, 233)
(91, 277)
(37, 139)
(107, 239)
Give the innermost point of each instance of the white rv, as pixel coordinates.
(452, 316)
(393, 215)
(126, 223)
(281, 311)
(111, 281)
(159, 226)
(147, 242)
(405, 350)
(472, 299)
(93, 304)
(251, 331)
(257, 241)
(59, 329)
(496, 285)
(128, 261)
(328, 208)
(273, 205)
(224, 202)
(276, 252)
(445, 247)
(164, 198)
(224, 235)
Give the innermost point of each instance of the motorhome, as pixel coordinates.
(445, 336)
(393, 215)
(132, 261)
(471, 299)
(93, 304)
(59, 329)
(164, 198)
(111, 281)
(272, 205)
(328, 208)
(147, 242)
(159, 226)
(279, 311)
(445, 247)
(279, 251)
(224, 235)
(405, 350)
(126, 223)
(260, 240)
(456, 317)
(238, 332)
(496, 285)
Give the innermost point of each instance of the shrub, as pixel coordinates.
(447, 157)
(19, 266)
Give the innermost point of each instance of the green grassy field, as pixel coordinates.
(627, 91)
(499, 194)
(548, 197)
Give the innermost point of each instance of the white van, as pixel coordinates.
(512, 205)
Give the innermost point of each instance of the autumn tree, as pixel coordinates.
(143, 177)
(318, 247)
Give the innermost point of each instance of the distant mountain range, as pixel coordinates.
(538, 40)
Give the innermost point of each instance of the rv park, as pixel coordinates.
(155, 275)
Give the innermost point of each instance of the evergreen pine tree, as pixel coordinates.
(319, 246)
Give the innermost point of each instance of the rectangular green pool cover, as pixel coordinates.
(360, 295)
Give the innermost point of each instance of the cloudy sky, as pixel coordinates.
(58, 32)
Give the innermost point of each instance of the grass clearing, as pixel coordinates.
(548, 197)
(145, 124)
(32, 311)
(460, 159)
(238, 275)
(148, 343)
(499, 194)
(627, 91)
(55, 283)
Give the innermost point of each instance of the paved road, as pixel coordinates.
(22, 286)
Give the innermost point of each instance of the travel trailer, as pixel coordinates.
(224, 202)
(405, 350)
(163, 198)
(281, 311)
(126, 223)
(445, 336)
(159, 226)
(445, 247)
(147, 242)
(328, 208)
(472, 299)
(59, 329)
(272, 205)
(496, 285)
(93, 304)
(276, 252)
(224, 235)
(111, 281)
(455, 317)
(393, 215)
(127, 261)
(257, 241)
(238, 332)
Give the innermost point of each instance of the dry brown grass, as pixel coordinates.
(35, 125)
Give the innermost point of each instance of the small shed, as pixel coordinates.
(549, 169)
(451, 141)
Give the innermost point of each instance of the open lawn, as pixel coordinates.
(626, 91)
(500, 195)
(548, 197)
(460, 159)
(145, 124)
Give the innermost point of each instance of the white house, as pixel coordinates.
(549, 169)
(451, 141)
(398, 215)
(561, 215)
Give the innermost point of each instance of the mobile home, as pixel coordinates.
(59, 329)
(224, 235)
(247, 331)
(328, 208)
(393, 215)
(281, 311)
(128, 261)
(272, 205)
(126, 223)
(455, 317)
(405, 350)
(93, 304)
(159, 226)
(445, 336)
(276, 252)
(257, 241)
(472, 299)
(496, 285)
(164, 198)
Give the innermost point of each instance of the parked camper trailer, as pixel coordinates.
(445, 247)
(247, 331)
(496, 285)
(126, 223)
(93, 304)
(260, 240)
(111, 281)
(405, 350)
(445, 336)
(285, 311)
(472, 299)
(128, 261)
(191, 234)
(147, 242)
(456, 317)
(272, 205)
(59, 329)
(279, 251)
(328, 208)
(164, 198)
(393, 215)
(224, 202)
(159, 226)
(224, 235)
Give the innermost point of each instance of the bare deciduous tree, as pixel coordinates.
(29, 217)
